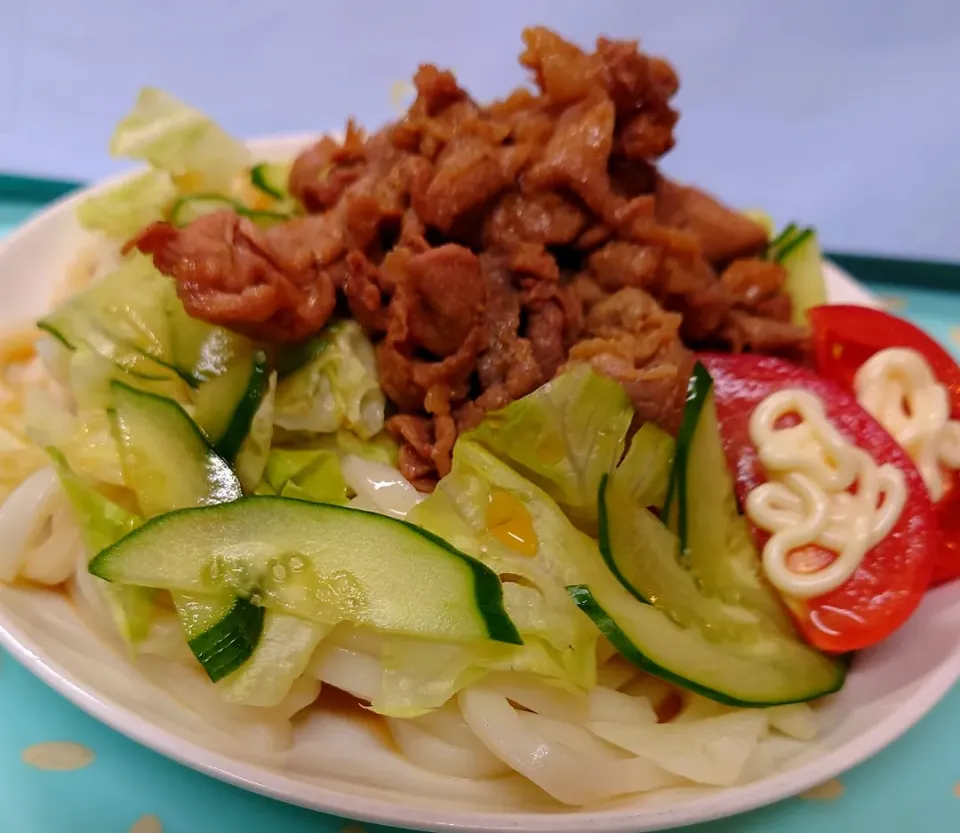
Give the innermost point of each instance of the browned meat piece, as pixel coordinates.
(562, 70)
(620, 264)
(634, 80)
(631, 339)
(229, 272)
(532, 262)
(410, 383)
(545, 324)
(682, 274)
(436, 310)
(724, 234)
(587, 290)
(641, 88)
(545, 218)
(648, 135)
(470, 171)
(704, 311)
(426, 445)
(507, 369)
(444, 295)
(322, 173)
(750, 281)
(364, 295)
(577, 154)
(765, 335)
(436, 90)
(779, 307)
(415, 435)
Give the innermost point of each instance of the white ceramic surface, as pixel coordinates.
(889, 689)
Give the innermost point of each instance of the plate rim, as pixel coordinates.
(276, 784)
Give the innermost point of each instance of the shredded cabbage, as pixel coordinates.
(534, 581)
(122, 211)
(174, 137)
(563, 437)
(102, 523)
(85, 439)
(338, 388)
(305, 474)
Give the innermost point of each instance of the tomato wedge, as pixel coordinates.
(844, 338)
(893, 576)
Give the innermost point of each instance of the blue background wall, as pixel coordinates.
(844, 113)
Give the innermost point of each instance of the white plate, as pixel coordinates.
(889, 689)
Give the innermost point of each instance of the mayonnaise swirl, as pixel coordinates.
(808, 498)
(898, 388)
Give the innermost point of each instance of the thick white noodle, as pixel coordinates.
(23, 517)
(427, 750)
(87, 593)
(537, 696)
(380, 485)
(609, 704)
(357, 674)
(571, 776)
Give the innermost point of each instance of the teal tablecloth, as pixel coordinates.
(912, 786)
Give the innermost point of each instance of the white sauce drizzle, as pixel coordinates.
(807, 499)
(897, 387)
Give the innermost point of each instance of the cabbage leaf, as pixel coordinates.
(172, 136)
(336, 389)
(122, 211)
(563, 437)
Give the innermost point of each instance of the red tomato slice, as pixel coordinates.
(893, 576)
(844, 338)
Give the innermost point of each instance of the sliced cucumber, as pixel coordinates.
(193, 206)
(222, 633)
(774, 247)
(271, 179)
(792, 243)
(170, 465)
(285, 648)
(768, 671)
(644, 556)
(165, 458)
(250, 459)
(805, 283)
(675, 509)
(716, 545)
(102, 523)
(798, 251)
(189, 208)
(321, 562)
(90, 375)
(225, 406)
(707, 618)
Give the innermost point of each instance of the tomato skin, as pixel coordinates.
(844, 338)
(893, 576)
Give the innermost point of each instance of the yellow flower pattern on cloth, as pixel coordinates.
(827, 791)
(58, 756)
(147, 824)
